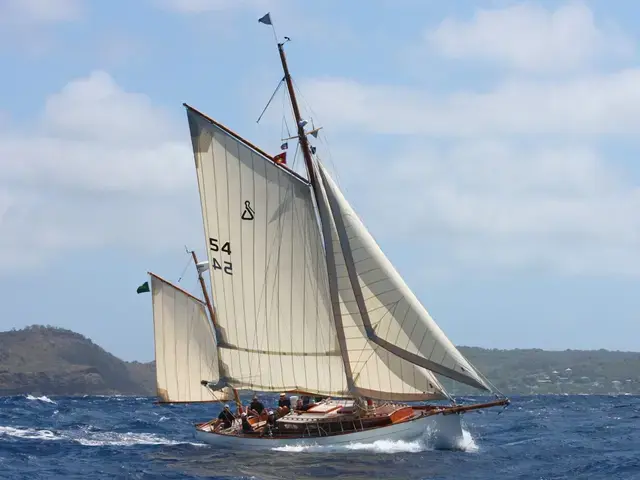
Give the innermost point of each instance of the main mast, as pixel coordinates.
(302, 136)
(322, 211)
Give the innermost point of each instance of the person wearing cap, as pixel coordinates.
(270, 426)
(246, 426)
(284, 405)
(225, 417)
(256, 407)
(284, 401)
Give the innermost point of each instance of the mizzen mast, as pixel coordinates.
(207, 300)
(212, 316)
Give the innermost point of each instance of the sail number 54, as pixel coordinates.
(214, 246)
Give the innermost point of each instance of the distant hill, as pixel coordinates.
(54, 361)
(535, 371)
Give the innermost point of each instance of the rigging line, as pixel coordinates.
(295, 156)
(285, 98)
(275, 35)
(184, 270)
(271, 99)
(242, 236)
(321, 137)
(284, 125)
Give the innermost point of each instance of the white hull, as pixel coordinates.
(441, 431)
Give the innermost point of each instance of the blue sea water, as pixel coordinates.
(537, 437)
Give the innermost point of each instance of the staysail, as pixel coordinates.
(376, 302)
(372, 371)
(185, 346)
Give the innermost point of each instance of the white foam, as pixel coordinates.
(389, 446)
(29, 433)
(94, 439)
(467, 443)
(295, 448)
(379, 446)
(100, 439)
(43, 398)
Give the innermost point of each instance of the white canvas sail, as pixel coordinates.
(372, 370)
(185, 346)
(376, 303)
(267, 268)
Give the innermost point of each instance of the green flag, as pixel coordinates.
(143, 288)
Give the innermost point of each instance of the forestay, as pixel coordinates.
(185, 345)
(376, 303)
(267, 268)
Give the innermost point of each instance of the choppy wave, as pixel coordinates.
(109, 437)
(43, 398)
(29, 433)
(91, 439)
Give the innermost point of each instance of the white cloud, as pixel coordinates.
(498, 204)
(588, 105)
(101, 167)
(528, 37)
(515, 176)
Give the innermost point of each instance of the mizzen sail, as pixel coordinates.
(185, 345)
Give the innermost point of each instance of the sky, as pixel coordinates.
(489, 146)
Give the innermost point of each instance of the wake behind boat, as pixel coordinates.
(305, 303)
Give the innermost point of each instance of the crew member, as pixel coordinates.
(246, 426)
(284, 405)
(256, 407)
(306, 403)
(225, 417)
(270, 427)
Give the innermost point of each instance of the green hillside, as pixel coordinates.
(49, 360)
(55, 361)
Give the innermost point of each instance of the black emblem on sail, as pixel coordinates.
(248, 213)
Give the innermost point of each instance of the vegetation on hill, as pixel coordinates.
(535, 371)
(54, 361)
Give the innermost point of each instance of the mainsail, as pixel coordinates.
(267, 268)
(300, 308)
(185, 345)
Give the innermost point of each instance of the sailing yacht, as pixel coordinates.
(306, 303)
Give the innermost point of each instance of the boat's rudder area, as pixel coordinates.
(444, 432)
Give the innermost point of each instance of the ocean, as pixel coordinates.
(537, 437)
